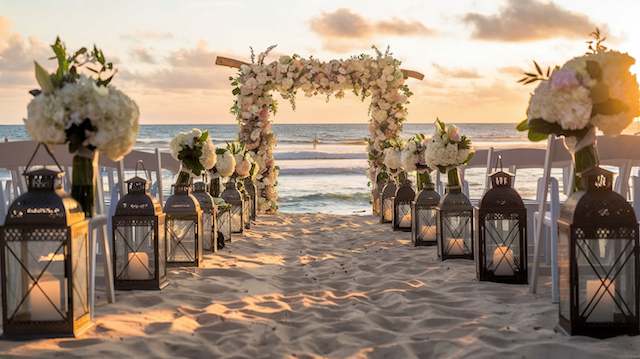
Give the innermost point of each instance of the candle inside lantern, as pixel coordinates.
(456, 246)
(138, 266)
(603, 312)
(388, 209)
(405, 221)
(502, 259)
(428, 233)
(42, 308)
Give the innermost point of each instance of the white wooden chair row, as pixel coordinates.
(100, 224)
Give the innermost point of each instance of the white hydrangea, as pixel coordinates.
(226, 164)
(392, 158)
(243, 165)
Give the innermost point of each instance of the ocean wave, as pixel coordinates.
(314, 155)
(323, 171)
(327, 197)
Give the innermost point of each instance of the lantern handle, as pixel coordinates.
(26, 169)
(498, 163)
(140, 163)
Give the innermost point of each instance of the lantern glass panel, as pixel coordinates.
(387, 210)
(456, 233)
(564, 273)
(182, 240)
(426, 224)
(134, 250)
(236, 218)
(403, 213)
(162, 249)
(605, 279)
(501, 245)
(36, 282)
(80, 256)
(224, 224)
(207, 230)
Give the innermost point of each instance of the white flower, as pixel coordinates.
(243, 166)
(392, 158)
(208, 158)
(409, 159)
(226, 164)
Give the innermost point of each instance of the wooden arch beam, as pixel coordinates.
(229, 62)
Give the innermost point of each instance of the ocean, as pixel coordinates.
(330, 175)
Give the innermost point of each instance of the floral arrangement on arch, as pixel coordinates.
(589, 92)
(378, 77)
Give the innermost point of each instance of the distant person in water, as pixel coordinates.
(315, 142)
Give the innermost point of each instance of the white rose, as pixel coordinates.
(226, 164)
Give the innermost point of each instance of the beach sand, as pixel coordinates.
(315, 285)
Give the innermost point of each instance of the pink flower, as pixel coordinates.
(564, 80)
(454, 133)
(264, 113)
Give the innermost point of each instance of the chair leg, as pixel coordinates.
(92, 271)
(555, 290)
(108, 264)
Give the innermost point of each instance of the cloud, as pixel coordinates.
(184, 69)
(529, 20)
(459, 73)
(17, 55)
(344, 30)
(143, 54)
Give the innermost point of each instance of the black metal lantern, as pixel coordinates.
(224, 222)
(402, 206)
(386, 201)
(424, 215)
(232, 196)
(502, 235)
(455, 224)
(598, 260)
(250, 187)
(376, 194)
(183, 228)
(139, 247)
(209, 220)
(45, 260)
(246, 208)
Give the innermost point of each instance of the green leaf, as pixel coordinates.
(594, 70)
(536, 136)
(235, 91)
(42, 76)
(609, 107)
(204, 136)
(523, 125)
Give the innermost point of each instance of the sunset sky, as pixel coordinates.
(471, 51)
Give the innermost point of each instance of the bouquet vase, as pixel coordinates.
(84, 179)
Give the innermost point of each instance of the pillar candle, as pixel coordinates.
(502, 261)
(405, 221)
(41, 307)
(428, 233)
(603, 312)
(456, 246)
(138, 266)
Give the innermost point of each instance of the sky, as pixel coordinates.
(472, 52)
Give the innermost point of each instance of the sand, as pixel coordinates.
(316, 285)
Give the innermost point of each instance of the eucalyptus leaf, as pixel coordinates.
(523, 125)
(536, 136)
(42, 76)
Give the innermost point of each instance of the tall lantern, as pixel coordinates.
(232, 196)
(598, 262)
(386, 201)
(139, 247)
(402, 206)
(183, 228)
(250, 187)
(502, 241)
(376, 194)
(224, 222)
(209, 220)
(455, 222)
(45, 260)
(424, 212)
(246, 208)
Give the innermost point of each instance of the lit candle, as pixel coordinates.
(456, 246)
(428, 233)
(41, 308)
(388, 210)
(405, 221)
(603, 312)
(138, 266)
(502, 260)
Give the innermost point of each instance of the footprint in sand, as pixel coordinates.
(79, 343)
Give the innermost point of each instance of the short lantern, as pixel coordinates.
(598, 260)
(139, 247)
(386, 201)
(183, 228)
(224, 222)
(455, 224)
(246, 208)
(45, 260)
(502, 234)
(250, 187)
(402, 206)
(424, 213)
(376, 194)
(209, 220)
(232, 196)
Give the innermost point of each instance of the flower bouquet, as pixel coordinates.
(413, 159)
(447, 150)
(196, 153)
(589, 92)
(77, 105)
